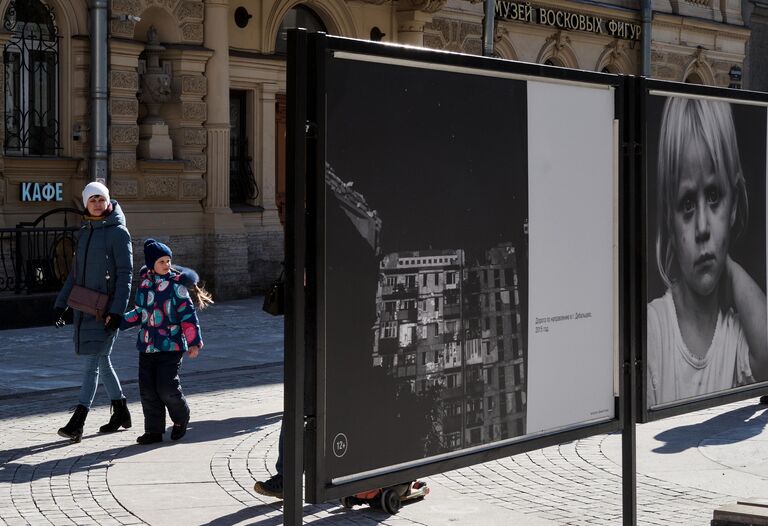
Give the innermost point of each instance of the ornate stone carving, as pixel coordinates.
(375, 2)
(195, 137)
(124, 79)
(192, 32)
(123, 161)
(428, 6)
(161, 186)
(193, 111)
(123, 28)
(124, 188)
(124, 134)
(193, 85)
(131, 7)
(169, 4)
(123, 107)
(193, 188)
(190, 10)
(195, 163)
(155, 79)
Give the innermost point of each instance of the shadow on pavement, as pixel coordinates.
(257, 512)
(15, 472)
(734, 426)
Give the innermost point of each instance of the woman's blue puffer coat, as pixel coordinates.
(103, 262)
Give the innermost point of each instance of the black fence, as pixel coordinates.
(36, 256)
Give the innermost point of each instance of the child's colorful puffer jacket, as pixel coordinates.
(165, 312)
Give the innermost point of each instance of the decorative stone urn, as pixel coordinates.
(154, 91)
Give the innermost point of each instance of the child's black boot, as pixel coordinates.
(179, 430)
(120, 417)
(150, 438)
(74, 428)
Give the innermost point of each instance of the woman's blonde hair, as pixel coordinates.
(686, 120)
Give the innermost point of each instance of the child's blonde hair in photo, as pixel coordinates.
(686, 120)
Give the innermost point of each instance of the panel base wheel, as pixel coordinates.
(347, 502)
(390, 501)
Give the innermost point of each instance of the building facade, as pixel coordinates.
(196, 98)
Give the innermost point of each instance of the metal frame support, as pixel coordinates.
(295, 255)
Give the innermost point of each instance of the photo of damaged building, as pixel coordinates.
(454, 329)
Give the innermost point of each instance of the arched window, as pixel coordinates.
(299, 16)
(694, 78)
(31, 79)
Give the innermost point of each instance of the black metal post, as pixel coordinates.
(629, 272)
(295, 238)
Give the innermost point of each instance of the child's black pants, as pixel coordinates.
(160, 387)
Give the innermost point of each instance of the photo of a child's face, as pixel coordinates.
(702, 219)
(706, 310)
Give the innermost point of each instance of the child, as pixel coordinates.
(707, 333)
(169, 327)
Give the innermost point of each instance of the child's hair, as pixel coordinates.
(685, 120)
(200, 297)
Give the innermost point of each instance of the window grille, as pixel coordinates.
(31, 60)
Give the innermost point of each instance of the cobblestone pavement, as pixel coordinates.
(687, 466)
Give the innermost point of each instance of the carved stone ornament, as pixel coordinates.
(190, 10)
(195, 137)
(123, 161)
(127, 80)
(169, 4)
(193, 189)
(155, 79)
(124, 188)
(375, 2)
(124, 134)
(161, 186)
(195, 163)
(428, 6)
(193, 85)
(192, 32)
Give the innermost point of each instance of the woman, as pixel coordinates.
(104, 263)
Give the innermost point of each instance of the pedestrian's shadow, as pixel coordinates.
(271, 515)
(15, 471)
(740, 424)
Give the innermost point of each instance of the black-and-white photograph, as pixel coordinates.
(426, 263)
(706, 246)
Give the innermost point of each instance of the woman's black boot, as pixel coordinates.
(120, 417)
(74, 428)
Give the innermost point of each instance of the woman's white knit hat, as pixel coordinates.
(94, 188)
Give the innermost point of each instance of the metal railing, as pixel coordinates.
(36, 256)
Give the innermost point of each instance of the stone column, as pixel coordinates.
(226, 243)
(124, 113)
(186, 114)
(217, 125)
(412, 15)
(265, 148)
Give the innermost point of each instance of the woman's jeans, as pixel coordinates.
(95, 364)
(160, 388)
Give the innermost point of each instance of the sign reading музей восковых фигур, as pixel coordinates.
(526, 12)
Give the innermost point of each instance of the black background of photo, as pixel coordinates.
(442, 158)
(749, 248)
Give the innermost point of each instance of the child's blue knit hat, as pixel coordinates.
(154, 250)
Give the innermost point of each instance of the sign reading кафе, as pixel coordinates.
(31, 192)
(525, 12)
